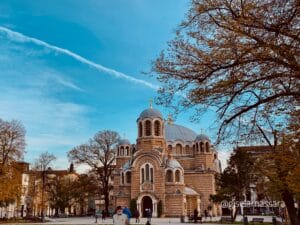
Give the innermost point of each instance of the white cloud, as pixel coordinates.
(19, 37)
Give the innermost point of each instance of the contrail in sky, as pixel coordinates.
(19, 37)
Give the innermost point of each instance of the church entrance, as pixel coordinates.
(146, 204)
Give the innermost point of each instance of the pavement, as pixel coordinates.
(154, 221)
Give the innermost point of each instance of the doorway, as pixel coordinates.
(146, 204)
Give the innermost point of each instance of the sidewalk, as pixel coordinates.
(154, 221)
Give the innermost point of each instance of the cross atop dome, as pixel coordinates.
(150, 103)
(170, 119)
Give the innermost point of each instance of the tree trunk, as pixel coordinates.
(106, 201)
(56, 211)
(43, 192)
(288, 199)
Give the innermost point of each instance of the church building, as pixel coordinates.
(169, 163)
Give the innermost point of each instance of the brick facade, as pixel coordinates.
(169, 163)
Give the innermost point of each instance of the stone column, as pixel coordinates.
(198, 206)
(154, 209)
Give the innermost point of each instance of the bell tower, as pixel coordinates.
(151, 130)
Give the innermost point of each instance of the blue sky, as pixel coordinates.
(70, 68)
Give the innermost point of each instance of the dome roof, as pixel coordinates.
(124, 142)
(202, 137)
(151, 113)
(173, 163)
(176, 132)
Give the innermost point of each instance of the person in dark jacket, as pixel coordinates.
(136, 215)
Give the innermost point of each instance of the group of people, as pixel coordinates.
(123, 216)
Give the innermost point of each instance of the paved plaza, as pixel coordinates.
(155, 221)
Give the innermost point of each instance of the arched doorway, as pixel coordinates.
(146, 204)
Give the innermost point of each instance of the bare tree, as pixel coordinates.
(239, 58)
(99, 154)
(12, 142)
(42, 163)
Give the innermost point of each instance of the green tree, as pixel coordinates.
(84, 187)
(99, 154)
(59, 193)
(234, 182)
(133, 205)
(281, 167)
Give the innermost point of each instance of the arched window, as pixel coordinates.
(147, 173)
(170, 148)
(118, 152)
(122, 178)
(177, 176)
(151, 175)
(148, 128)
(207, 146)
(187, 149)
(143, 175)
(194, 148)
(128, 177)
(157, 128)
(122, 150)
(127, 150)
(140, 129)
(178, 149)
(169, 176)
(201, 147)
(197, 147)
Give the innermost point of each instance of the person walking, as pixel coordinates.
(103, 215)
(149, 215)
(137, 216)
(195, 215)
(119, 217)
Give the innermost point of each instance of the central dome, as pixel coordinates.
(175, 132)
(151, 113)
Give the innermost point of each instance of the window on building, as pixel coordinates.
(147, 173)
(148, 128)
(140, 129)
(127, 150)
(177, 176)
(201, 147)
(151, 175)
(197, 147)
(128, 177)
(187, 149)
(157, 129)
(178, 149)
(170, 148)
(169, 176)
(122, 151)
(207, 146)
(143, 175)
